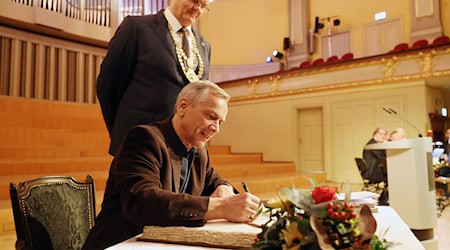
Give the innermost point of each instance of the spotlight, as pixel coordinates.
(269, 59)
(277, 54)
(318, 25)
(444, 112)
(336, 22)
(286, 43)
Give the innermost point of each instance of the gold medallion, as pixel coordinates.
(188, 65)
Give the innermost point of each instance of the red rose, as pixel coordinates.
(324, 193)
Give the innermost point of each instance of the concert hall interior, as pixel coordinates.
(342, 69)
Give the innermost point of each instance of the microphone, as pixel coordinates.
(394, 113)
(389, 112)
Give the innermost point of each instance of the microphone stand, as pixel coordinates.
(394, 113)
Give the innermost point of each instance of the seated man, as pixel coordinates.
(446, 146)
(162, 173)
(397, 134)
(375, 158)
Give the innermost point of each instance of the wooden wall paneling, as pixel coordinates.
(79, 76)
(5, 71)
(51, 74)
(90, 79)
(46, 82)
(62, 76)
(16, 48)
(98, 62)
(28, 68)
(23, 67)
(40, 72)
(71, 76)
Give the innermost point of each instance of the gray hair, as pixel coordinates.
(379, 129)
(197, 92)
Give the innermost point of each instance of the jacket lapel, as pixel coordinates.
(163, 33)
(175, 164)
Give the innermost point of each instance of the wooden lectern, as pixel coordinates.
(411, 185)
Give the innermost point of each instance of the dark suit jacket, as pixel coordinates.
(140, 77)
(446, 147)
(374, 162)
(143, 187)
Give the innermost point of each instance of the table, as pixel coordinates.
(398, 233)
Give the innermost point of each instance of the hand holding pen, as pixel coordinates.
(260, 206)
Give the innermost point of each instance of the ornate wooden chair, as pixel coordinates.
(54, 212)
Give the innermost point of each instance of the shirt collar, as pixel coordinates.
(174, 142)
(176, 25)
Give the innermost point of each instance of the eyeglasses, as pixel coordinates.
(203, 6)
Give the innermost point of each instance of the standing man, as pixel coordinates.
(162, 176)
(446, 146)
(149, 60)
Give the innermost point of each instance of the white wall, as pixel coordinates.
(350, 116)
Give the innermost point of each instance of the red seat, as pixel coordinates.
(332, 59)
(441, 40)
(347, 56)
(400, 47)
(305, 64)
(419, 44)
(318, 61)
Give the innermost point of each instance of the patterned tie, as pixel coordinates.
(185, 39)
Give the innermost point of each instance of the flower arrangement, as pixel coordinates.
(315, 219)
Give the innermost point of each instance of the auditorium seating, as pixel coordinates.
(332, 59)
(441, 40)
(45, 138)
(347, 56)
(400, 47)
(305, 64)
(420, 44)
(318, 61)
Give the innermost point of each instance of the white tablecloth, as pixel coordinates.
(398, 233)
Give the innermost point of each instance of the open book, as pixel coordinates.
(215, 233)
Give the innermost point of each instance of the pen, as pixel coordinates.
(244, 185)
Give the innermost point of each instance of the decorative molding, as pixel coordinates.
(221, 73)
(423, 64)
(425, 19)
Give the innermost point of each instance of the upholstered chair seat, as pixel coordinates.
(53, 212)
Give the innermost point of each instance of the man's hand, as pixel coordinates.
(236, 208)
(223, 191)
